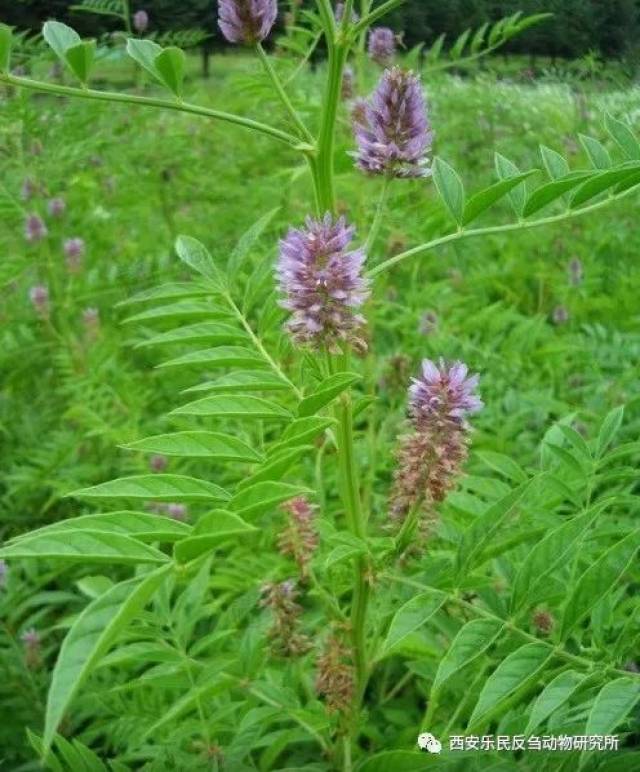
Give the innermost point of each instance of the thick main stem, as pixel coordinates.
(323, 177)
(337, 57)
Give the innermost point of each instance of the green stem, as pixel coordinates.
(167, 104)
(376, 14)
(356, 520)
(261, 349)
(377, 220)
(282, 95)
(337, 57)
(516, 226)
(126, 15)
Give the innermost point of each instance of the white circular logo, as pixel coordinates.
(428, 743)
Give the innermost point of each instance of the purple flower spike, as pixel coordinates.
(322, 284)
(74, 250)
(34, 229)
(443, 395)
(393, 131)
(430, 459)
(348, 83)
(39, 297)
(382, 45)
(140, 21)
(246, 21)
(56, 207)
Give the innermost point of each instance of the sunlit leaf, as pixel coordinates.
(155, 487)
(198, 444)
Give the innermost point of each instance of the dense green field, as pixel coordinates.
(556, 342)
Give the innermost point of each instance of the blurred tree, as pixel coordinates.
(610, 28)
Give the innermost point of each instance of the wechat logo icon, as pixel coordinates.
(428, 743)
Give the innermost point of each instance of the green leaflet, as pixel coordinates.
(182, 309)
(198, 444)
(409, 617)
(60, 37)
(169, 291)
(137, 525)
(240, 381)
(450, 187)
(212, 529)
(485, 199)
(555, 164)
(234, 406)
(83, 546)
(302, 430)
(155, 487)
(612, 705)
(506, 169)
(220, 356)
(250, 502)
(511, 679)
(546, 194)
(546, 555)
(144, 52)
(196, 256)
(214, 333)
(622, 136)
(89, 639)
(276, 465)
(599, 579)
(480, 533)
(169, 65)
(470, 642)
(326, 392)
(596, 151)
(555, 693)
(609, 429)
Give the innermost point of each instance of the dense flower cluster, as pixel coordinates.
(382, 45)
(322, 284)
(74, 250)
(34, 229)
(39, 297)
(392, 129)
(140, 21)
(348, 89)
(430, 458)
(576, 271)
(56, 207)
(281, 598)
(335, 675)
(442, 396)
(246, 21)
(300, 539)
